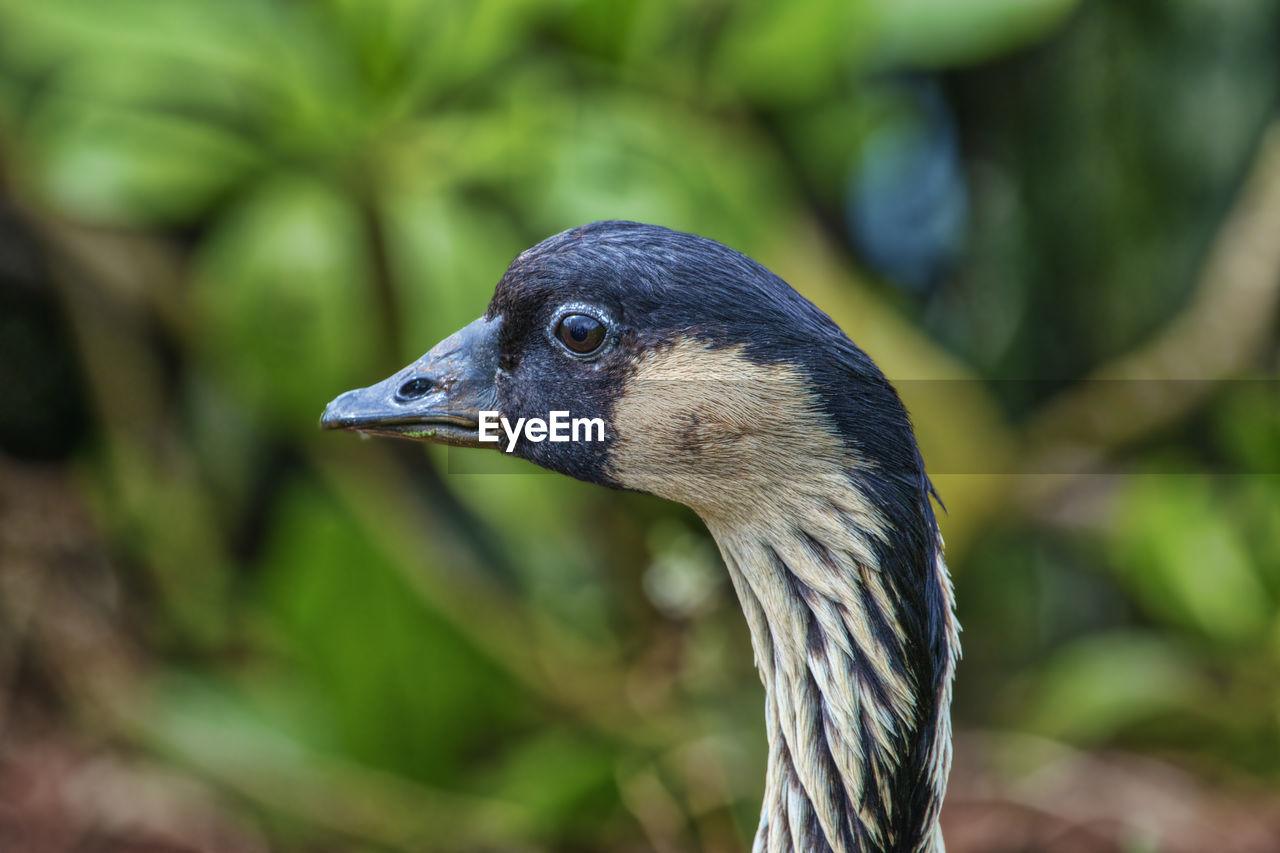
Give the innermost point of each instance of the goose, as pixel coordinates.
(719, 386)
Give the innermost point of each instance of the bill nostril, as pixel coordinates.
(414, 388)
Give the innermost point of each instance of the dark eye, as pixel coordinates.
(581, 333)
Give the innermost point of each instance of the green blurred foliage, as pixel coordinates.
(281, 283)
(329, 187)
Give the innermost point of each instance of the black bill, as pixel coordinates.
(437, 398)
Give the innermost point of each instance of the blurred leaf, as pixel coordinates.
(168, 87)
(1247, 422)
(568, 572)
(613, 159)
(160, 514)
(282, 288)
(830, 134)
(409, 51)
(204, 725)
(935, 33)
(783, 53)
(274, 71)
(1181, 553)
(11, 99)
(225, 36)
(1095, 687)
(607, 28)
(446, 257)
(129, 167)
(560, 776)
(400, 688)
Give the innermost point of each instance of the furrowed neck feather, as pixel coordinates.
(823, 517)
(857, 691)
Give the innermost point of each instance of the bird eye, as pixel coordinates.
(581, 333)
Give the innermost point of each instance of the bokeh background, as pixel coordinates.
(1055, 224)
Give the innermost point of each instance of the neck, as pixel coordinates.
(851, 622)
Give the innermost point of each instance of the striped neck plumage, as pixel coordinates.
(856, 656)
(819, 502)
